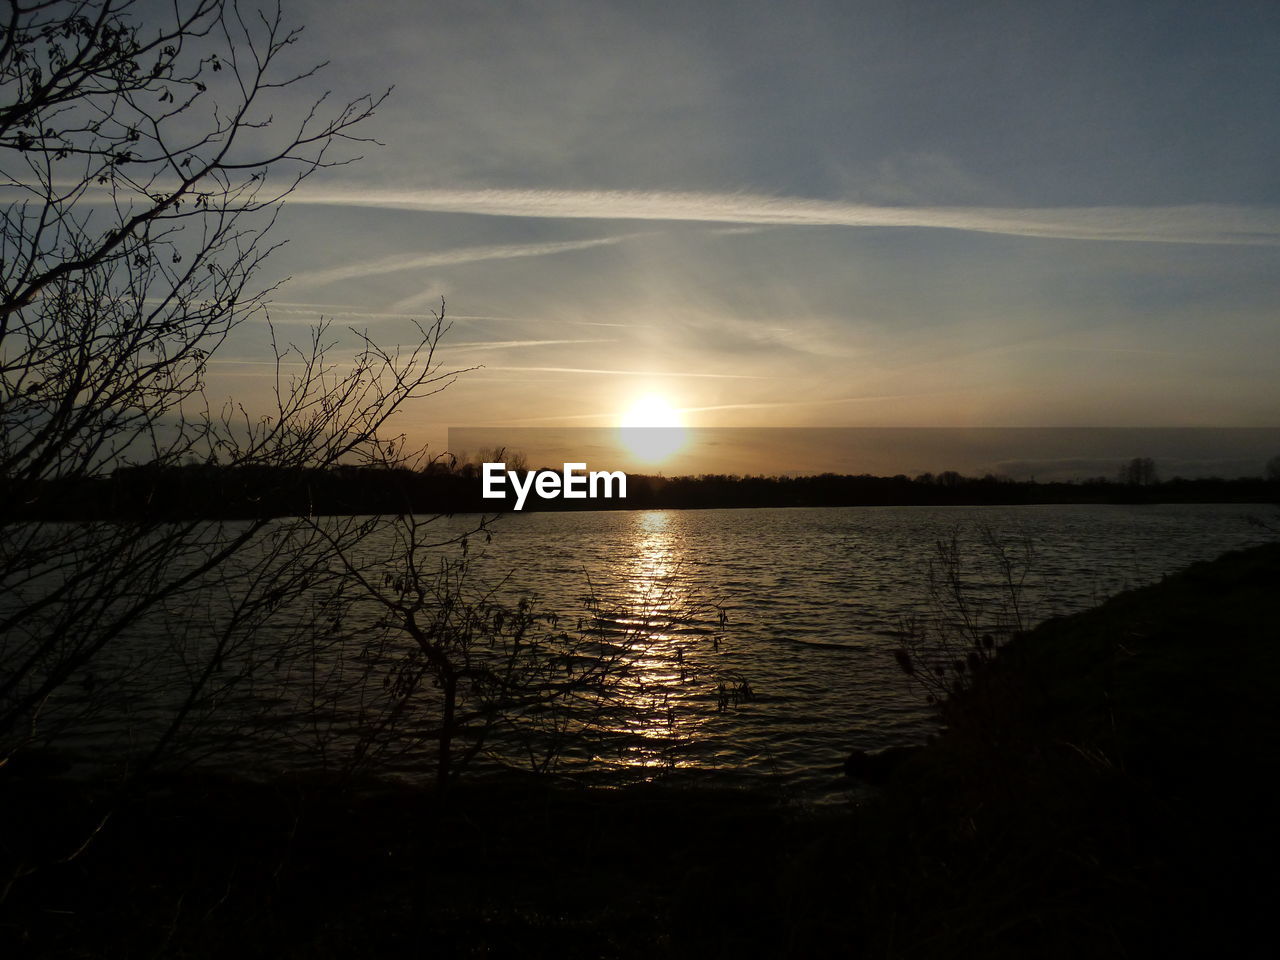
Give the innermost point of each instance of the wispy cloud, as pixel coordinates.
(310, 312)
(785, 404)
(631, 373)
(441, 258)
(611, 417)
(1199, 223)
(544, 321)
(505, 344)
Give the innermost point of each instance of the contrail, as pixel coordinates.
(1197, 223)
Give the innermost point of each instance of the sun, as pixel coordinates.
(651, 410)
(652, 430)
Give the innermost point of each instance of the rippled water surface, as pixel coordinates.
(813, 601)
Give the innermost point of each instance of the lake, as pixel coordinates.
(815, 600)
(769, 634)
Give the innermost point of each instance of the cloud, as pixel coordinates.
(631, 373)
(505, 344)
(440, 258)
(312, 311)
(1200, 223)
(818, 402)
(778, 405)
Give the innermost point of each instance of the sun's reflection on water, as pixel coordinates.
(656, 551)
(669, 689)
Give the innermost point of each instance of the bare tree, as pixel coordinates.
(1139, 472)
(977, 601)
(143, 157)
(1272, 469)
(448, 668)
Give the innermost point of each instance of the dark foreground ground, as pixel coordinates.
(1107, 789)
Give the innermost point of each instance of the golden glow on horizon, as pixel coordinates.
(652, 430)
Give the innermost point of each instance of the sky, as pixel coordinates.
(835, 214)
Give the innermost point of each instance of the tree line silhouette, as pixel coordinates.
(213, 491)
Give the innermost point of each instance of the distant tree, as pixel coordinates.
(514, 459)
(1139, 472)
(1273, 468)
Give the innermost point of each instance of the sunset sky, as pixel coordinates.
(805, 214)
